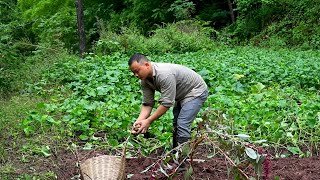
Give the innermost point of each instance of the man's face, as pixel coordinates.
(140, 70)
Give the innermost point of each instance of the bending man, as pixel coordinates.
(180, 88)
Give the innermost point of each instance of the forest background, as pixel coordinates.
(33, 28)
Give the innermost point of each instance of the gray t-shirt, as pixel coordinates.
(176, 83)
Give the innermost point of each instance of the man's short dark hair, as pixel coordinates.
(138, 58)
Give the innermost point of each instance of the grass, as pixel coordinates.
(21, 156)
(11, 113)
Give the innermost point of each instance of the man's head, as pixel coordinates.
(140, 66)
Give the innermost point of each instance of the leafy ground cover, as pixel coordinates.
(258, 99)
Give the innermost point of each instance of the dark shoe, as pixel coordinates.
(174, 139)
(182, 140)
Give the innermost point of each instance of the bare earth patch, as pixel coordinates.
(292, 168)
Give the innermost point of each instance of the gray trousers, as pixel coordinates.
(183, 117)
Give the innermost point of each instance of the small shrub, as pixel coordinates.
(180, 37)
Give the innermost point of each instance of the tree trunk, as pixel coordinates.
(231, 11)
(80, 24)
(197, 5)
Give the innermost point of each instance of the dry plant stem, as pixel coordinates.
(227, 136)
(194, 147)
(165, 155)
(77, 157)
(153, 164)
(191, 154)
(86, 176)
(226, 156)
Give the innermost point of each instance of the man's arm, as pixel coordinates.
(144, 124)
(168, 93)
(158, 113)
(145, 112)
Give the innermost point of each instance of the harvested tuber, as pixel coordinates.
(135, 129)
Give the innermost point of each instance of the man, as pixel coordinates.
(180, 87)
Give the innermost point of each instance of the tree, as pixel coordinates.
(231, 11)
(80, 23)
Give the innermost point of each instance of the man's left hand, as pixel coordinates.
(144, 126)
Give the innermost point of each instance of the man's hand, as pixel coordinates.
(135, 129)
(140, 126)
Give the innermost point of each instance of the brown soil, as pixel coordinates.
(292, 168)
(285, 168)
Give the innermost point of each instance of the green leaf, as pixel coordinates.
(40, 105)
(90, 106)
(102, 91)
(91, 92)
(219, 89)
(238, 76)
(109, 124)
(251, 153)
(45, 150)
(185, 150)
(238, 87)
(260, 86)
(52, 121)
(188, 173)
(113, 142)
(294, 150)
(260, 141)
(311, 123)
(289, 135)
(243, 136)
(83, 137)
(87, 146)
(28, 130)
(257, 88)
(259, 97)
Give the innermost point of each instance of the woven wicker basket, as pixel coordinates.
(105, 167)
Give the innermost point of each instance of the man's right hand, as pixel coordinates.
(135, 128)
(141, 126)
